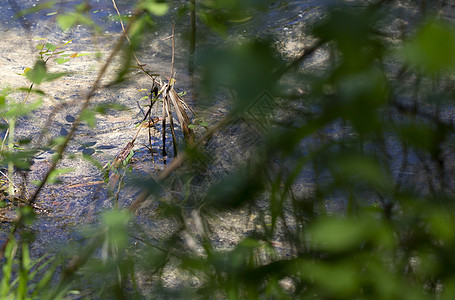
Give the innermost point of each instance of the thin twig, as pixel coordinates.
(171, 124)
(153, 98)
(139, 64)
(183, 156)
(163, 124)
(296, 62)
(171, 77)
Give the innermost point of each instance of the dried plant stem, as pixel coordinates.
(171, 77)
(11, 131)
(192, 38)
(181, 158)
(225, 121)
(126, 35)
(297, 61)
(184, 120)
(163, 132)
(167, 105)
(152, 101)
(139, 64)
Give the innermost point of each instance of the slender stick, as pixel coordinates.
(139, 64)
(182, 157)
(296, 62)
(171, 81)
(192, 37)
(163, 124)
(151, 123)
(12, 129)
(171, 124)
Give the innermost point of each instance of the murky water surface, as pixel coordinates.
(82, 193)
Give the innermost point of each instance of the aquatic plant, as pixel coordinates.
(343, 182)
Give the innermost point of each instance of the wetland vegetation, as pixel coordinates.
(227, 149)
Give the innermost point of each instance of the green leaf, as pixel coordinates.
(7, 268)
(53, 76)
(105, 107)
(89, 117)
(27, 214)
(441, 225)
(83, 54)
(20, 159)
(359, 168)
(50, 47)
(341, 279)
(432, 48)
(26, 261)
(66, 21)
(38, 73)
(26, 70)
(66, 43)
(213, 23)
(53, 177)
(156, 8)
(62, 60)
(448, 293)
(337, 234)
(128, 158)
(116, 222)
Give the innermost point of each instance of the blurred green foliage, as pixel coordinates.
(369, 133)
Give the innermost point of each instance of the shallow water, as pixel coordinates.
(82, 194)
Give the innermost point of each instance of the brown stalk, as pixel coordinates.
(139, 64)
(168, 94)
(163, 125)
(167, 104)
(181, 158)
(184, 120)
(173, 55)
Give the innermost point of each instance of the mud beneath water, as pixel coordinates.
(82, 194)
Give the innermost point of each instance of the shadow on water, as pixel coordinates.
(82, 193)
